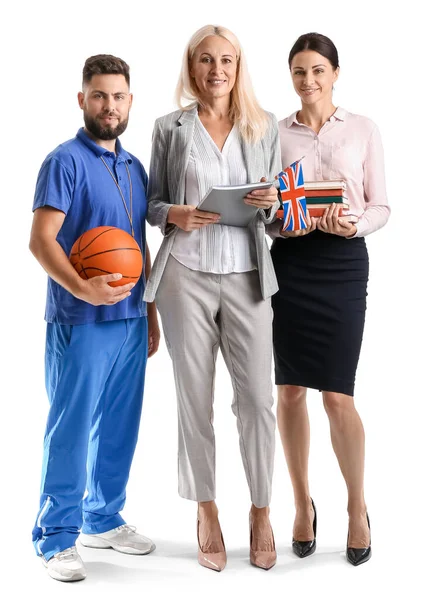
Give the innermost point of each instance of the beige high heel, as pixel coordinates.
(211, 560)
(264, 559)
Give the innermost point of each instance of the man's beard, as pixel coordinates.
(104, 133)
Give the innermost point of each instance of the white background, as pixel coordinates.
(44, 46)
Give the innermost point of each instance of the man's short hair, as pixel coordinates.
(104, 64)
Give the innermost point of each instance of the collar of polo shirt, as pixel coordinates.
(122, 155)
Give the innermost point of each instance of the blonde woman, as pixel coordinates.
(213, 282)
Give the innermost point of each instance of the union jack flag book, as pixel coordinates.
(291, 185)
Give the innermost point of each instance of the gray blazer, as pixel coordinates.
(172, 141)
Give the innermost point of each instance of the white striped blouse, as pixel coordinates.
(216, 249)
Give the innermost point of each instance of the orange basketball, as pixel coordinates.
(106, 250)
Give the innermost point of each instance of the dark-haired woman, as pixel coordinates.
(322, 273)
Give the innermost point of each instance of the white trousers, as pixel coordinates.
(200, 313)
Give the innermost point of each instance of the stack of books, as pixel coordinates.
(321, 194)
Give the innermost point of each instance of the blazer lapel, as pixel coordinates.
(184, 135)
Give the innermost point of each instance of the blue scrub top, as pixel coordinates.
(74, 180)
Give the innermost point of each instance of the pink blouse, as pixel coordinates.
(347, 147)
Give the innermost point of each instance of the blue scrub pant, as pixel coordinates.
(95, 383)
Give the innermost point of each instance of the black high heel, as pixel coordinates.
(358, 556)
(303, 549)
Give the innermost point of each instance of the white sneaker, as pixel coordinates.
(66, 566)
(123, 539)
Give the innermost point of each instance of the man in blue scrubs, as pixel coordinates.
(98, 336)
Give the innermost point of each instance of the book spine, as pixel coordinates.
(325, 205)
(324, 185)
(314, 193)
(316, 212)
(326, 199)
(319, 212)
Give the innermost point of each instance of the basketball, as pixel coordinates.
(105, 250)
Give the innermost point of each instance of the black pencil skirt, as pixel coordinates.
(319, 310)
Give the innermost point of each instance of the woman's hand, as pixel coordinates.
(332, 223)
(188, 218)
(153, 329)
(312, 223)
(264, 198)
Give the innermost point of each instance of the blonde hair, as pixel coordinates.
(245, 110)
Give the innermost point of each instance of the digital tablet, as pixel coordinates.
(228, 201)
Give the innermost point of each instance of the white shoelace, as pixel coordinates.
(128, 528)
(69, 552)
